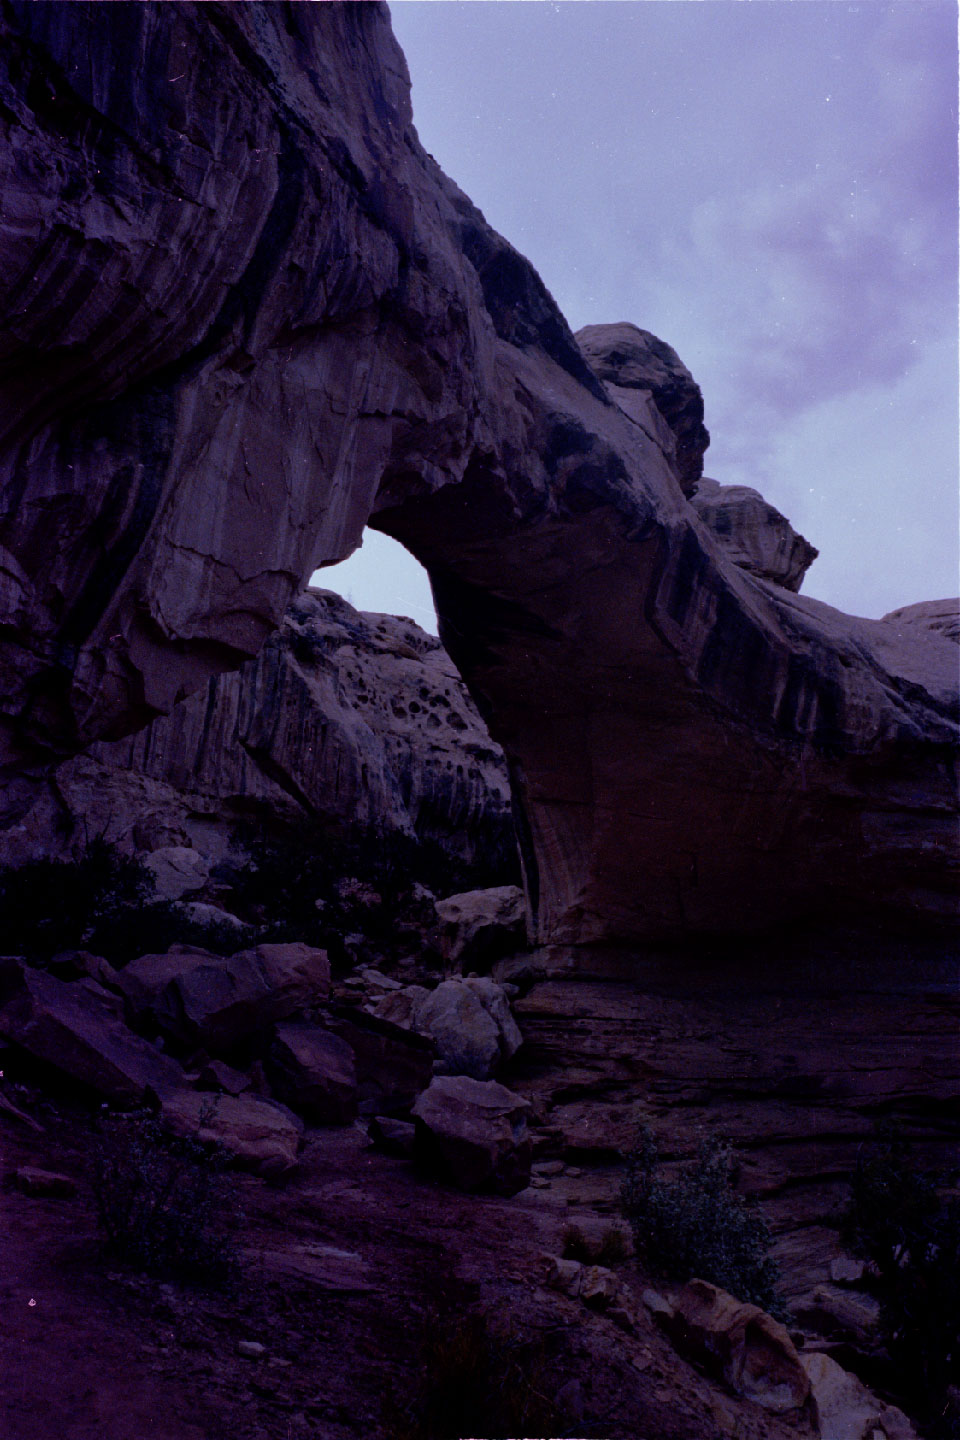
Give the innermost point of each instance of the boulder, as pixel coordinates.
(393, 1137)
(44, 1184)
(739, 1344)
(259, 1135)
(78, 1028)
(479, 927)
(754, 534)
(844, 1409)
(177, 870)
(199, 999)
(474, 1133)
(635, 365)
(393, 1064)
(469, 1022)
(313, 1072)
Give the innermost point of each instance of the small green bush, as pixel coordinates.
(908, 1224)
(164, 1205)
(697, 1226)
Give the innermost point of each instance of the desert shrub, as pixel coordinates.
(697, 1226)
(479, 1376)
(907, 1223)
(164, 1204)
(320, 887)
(52, 905)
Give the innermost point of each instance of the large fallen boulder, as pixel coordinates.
(213, 1001)
(314, 1073)
(739, 1344)
(844, 1409)
(259, 1135)
(479, 927)
(469, 1022)
(474, 1133)
(78, 1028)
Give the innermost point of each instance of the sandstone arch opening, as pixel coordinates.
(693, 748)
(382, 576)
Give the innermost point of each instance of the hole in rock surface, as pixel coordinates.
(383, 577)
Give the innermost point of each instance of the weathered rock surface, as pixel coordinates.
(474, 1132)
(844, 1409)
(198, 999)
(228, 343)
(261, 1136)
(940, 616)
(648, 380)
(356, 721)
(314, 1072)
(740, 1344)
(78, 1029)
(478, 927)
(753, 533)
(469, 1022)
(393, 1065)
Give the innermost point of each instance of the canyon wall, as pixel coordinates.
(245, 314)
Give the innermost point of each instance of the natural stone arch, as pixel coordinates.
(242, 320)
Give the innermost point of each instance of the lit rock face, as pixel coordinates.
(649, 381)
(350, 720)
(243, 317)
(754, 535)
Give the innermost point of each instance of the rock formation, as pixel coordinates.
(754, 534)
(242, 318)
(350, 720)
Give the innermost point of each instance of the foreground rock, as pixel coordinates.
(474, 1133)
(741, 1345)
(479, 927)
(314, 1073)
(281, 347)
(212, 1001)
(844, 1409)
(260, 1136)
(753, 534)
(469, 1022)
(79, 1030)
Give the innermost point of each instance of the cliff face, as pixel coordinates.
(345, 721)
(242, 318)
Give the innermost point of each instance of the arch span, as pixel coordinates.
(242, 319)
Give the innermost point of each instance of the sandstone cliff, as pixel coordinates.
(344, 720)
(243, 318)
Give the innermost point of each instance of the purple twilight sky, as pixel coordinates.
(771, 187)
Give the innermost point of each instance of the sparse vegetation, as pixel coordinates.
(479, 1376)
(697, 1226)
(907, 1223)
(103, 901)
(164, 1205)
(321, 888)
